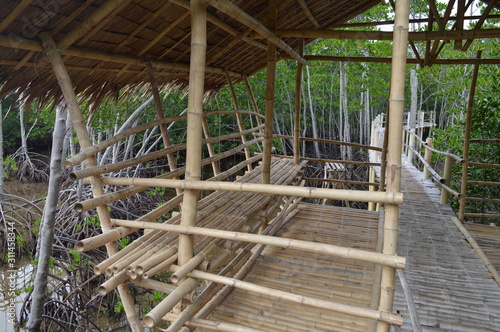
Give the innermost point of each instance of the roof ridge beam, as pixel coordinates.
(241, 16)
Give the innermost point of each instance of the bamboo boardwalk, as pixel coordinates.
(451, 287)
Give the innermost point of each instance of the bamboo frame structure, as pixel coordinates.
(296, 117)
(79, 125)
(467, 131)
(394, 149)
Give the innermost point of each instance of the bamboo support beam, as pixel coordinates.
(298, 103)
(304, 300)
(210, 146)
(309, 192)
(384, 35)
(467, 131)
(327, 249)
(236, 13)
(83, 136)
(394, 132)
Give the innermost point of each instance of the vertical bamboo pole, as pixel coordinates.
(84, 138)
(448, 166)
(172, 164)
(194, 123)
(371, 178)
(465, 156)
(394, 149)
(210, 146)
(427, 156)
(238, 117)
(411, 145)
(270, 86)
(296, 118)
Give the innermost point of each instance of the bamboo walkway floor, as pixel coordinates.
(309, 274)
(451, 287)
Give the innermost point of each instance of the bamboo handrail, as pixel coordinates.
(483, 183)
(434, 174)
(92, 150)
(482, 140)
(362, 183)
(347, 162)
(309, 192)
(480, 199)
(304, 300)
(101, 169)
(320, 140)
(327, 249)
(454, 156)
(481, 215)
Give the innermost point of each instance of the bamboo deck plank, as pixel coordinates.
(452, 289)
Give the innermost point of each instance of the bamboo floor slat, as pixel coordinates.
(451, 287)
(309, 274)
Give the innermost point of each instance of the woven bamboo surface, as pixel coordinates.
(452, 289)
(309, 274)
(488, 238)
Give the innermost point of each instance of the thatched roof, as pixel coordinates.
(105, 44)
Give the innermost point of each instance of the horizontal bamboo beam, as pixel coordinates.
(25, 44)
(342, 181)
(483, 183)
(327, 249)
(388, 60)
(347, 162)
(384, 35)
(481, 215)
(484, 165)
(482, 140)
(319, 140)
(443, 153)
(480, 199)
(303, 300)
(236, 13)
(336, 194)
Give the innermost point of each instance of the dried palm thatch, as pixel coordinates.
(107, 44)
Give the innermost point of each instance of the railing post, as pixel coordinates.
(371, 205)
(427, 156)
(411, 145)
(448, 165)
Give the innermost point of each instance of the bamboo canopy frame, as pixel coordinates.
(93, 49)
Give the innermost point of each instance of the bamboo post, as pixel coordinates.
(394, 148)
(194, 125)
(427, 156)
(411, 145)
(448, 166)
(238, 117)
(172, 164)
(296, 118)
(421, 123)
(64, 81)
(465, 157)
(270, 87)
(371, 205)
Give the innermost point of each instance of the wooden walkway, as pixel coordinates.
(451, 287)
